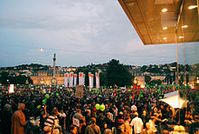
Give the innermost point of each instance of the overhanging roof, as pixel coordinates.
(149, 20)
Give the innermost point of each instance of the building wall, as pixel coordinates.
(46, 80)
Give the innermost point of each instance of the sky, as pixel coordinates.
(80, 32)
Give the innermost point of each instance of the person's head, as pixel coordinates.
(55, 111)
(21, 106)
(107, 131)
(7, 107)
(73, 129)
(93, 120)
(127, 117)
(136, 114)
(155, 110)
(88, 112)
(108, 115)
(133, 108)
(147, 126)
(144, 113)
(79, 111)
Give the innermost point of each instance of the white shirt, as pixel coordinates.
(138, 124)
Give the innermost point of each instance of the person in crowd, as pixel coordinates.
(88, 115)
(6, 116)
(19, 120)
(43, 116)
(194, 125)
(62, 120)
(73, 129)
(107, 131)
(78, 115)
(133, 111)
(101, 121)
(82, 126)
(188, 118)
(109, 120)
(51, 125)
(144, 117)
(137, 124)
(119, 105)
(93, 128)
(120, 127)
(152, 125)
(147, 130)
(127, 126)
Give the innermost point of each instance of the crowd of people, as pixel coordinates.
(107, 111)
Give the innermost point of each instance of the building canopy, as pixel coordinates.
(164, 21)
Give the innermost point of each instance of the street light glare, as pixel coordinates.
(41, 49)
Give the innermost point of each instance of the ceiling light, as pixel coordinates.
(164, 10)
(165, 38)
(164, 28)
(192, 7)
(180, 37)
(185, 26)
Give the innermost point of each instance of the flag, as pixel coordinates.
(11, 89)
(75, 80)
(90, 77)
(97, 78)
(141, 94)
(81, 78)
(71, 79)
(66, 79)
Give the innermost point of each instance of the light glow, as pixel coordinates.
(185, 26)
(181, 37)
(192, 7)
(164, 10)
(165, 38)
(165, 28)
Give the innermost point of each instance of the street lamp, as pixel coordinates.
(8, 81)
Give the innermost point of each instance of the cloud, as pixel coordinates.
(80, 32)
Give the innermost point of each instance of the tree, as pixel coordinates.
(117, 74)
(103, 78)
(147, 79)
(86, 69)
(143, 68)
(155, 82)
(5, 78)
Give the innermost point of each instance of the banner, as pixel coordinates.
(66, 79)
(90, 77)
(11, 89)
(74, 80)
(81, 78)
(71, 79)
(97, 79)
(76, 122)
(79, 93)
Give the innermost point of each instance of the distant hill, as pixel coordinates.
(154, 69)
